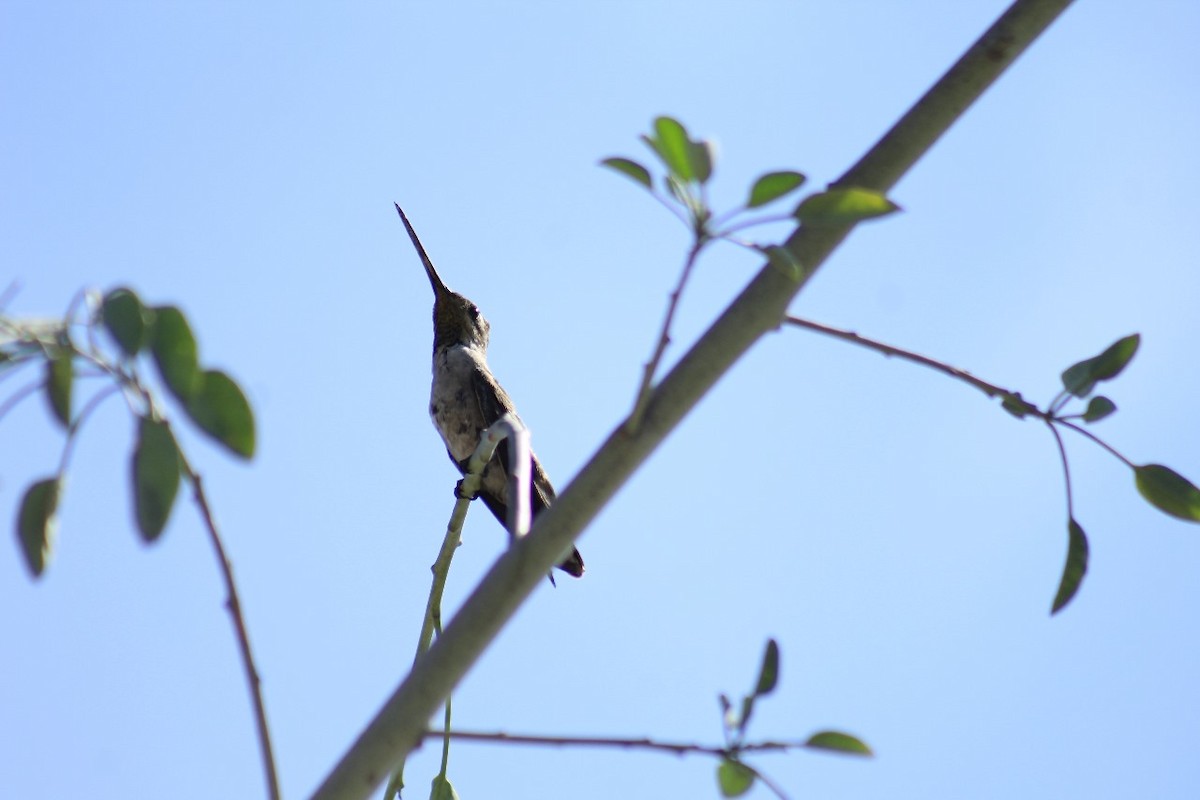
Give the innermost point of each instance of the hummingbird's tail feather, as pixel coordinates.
(572, 565)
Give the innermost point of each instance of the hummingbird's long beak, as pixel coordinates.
(435, 280)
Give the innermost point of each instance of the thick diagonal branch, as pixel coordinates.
(401, 723)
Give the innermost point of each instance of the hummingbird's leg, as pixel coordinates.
(458, 492)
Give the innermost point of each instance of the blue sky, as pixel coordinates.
(897, 533)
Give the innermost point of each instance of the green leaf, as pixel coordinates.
(60, 374)
(1016, 405)
(843, 206)
(220, 409)
(442, 789)
(783, 260)
(630, 168)
(772, 186)
(673, 146)
(37, 523)
(1098, 408)
(126, 320)
(734, 778)
(1168, 491)
(677, 190)
(768, 674)
(838, 742)
(701, 158)
(175, 352)
(155, 476)
(1079, 379)
(1075, 568)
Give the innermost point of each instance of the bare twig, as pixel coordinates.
(504, 428)
(624, 743)
(990, 389)
(621, 743)
(234, 604)
(1049, 416)
(46, 335)
(467, 489)
(664, 339)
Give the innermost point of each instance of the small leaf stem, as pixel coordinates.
(749, 223)
(234, 604)
(1062, 453)
(1088, 434)
(77, 423)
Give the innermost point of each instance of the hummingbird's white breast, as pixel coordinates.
(453, 401)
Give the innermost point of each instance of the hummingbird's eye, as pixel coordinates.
(474, 312)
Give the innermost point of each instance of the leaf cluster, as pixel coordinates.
(161, 334)
(1161, 486)
(688, 165)
(734, 776)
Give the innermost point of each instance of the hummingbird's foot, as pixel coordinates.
(458, 492)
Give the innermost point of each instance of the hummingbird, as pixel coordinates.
(465, 398)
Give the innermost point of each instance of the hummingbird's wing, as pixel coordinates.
(493, 402)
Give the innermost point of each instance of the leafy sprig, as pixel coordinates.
(209, 398)
(688, 166)
(735, 777)
(1161, 486)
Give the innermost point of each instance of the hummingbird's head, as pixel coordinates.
(456, 320)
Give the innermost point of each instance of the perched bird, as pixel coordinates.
(466, 399)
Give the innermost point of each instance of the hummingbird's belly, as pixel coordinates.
(453, 403)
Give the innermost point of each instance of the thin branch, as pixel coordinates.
(465, 493)
(467, 489)
(400, 724)
(990, 389)
(642, 398)
(234, 604)
(621, 743)
(675, 748)
(445, 742)
(128, 383)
